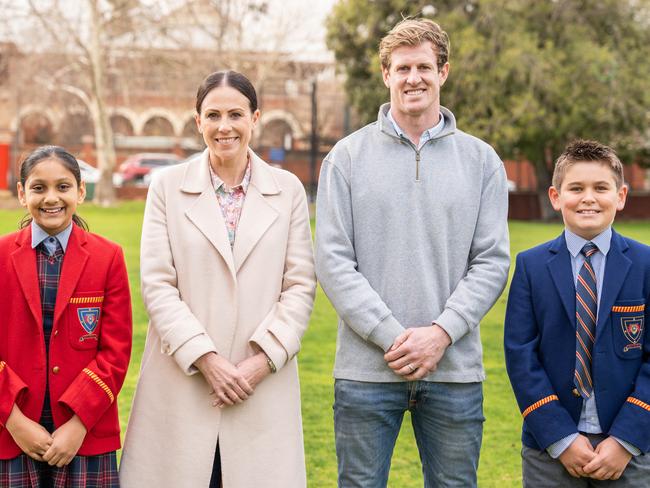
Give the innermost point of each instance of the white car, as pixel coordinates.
(146, 179)
(90, 174)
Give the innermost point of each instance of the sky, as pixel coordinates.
(307, 24)
(298, 23)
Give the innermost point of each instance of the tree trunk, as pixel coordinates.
(104, 145)
(544, 174)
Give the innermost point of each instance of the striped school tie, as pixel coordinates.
(586, 307)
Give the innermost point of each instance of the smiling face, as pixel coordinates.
(51, 195)
(588, 198)
(227, 124)
(414, 81)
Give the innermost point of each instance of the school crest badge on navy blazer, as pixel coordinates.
(630, 321)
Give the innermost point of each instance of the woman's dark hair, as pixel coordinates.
(65, 158)
(229, 78)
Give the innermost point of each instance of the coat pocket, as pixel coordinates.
(628, 322)
(84, 319)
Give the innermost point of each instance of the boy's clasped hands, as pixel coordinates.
(606, 462)
(56, 449)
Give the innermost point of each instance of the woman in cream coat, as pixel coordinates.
(228, 283)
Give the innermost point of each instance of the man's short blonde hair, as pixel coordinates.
(412, 32)
(583, 151)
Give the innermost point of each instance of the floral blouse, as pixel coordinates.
(231, 200)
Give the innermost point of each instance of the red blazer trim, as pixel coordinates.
(538, 404)
(638, 403)
(101, 384)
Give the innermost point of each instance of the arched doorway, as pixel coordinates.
(36, 128)
(121, 126)
(277, 134)
(158, 126)
(74, 127)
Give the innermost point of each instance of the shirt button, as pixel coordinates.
(55, 370)
(56, 332)
(575, 392)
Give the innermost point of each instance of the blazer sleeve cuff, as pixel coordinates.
(190, 351)
(11, 388)
(453, 324)
(635, 451)
(385, 332)
(548, 421)
(88, 396)
(632, 424)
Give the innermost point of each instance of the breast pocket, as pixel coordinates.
(84, 315)
(628, 321)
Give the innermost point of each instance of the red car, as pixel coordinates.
(136, 166)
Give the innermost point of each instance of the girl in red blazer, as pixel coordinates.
(65, 336)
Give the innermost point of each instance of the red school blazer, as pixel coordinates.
(90, 345)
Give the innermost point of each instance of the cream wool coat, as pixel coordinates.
(201, 297)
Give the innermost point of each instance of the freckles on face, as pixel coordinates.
(51, 195)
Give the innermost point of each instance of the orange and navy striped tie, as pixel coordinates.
(586, 307)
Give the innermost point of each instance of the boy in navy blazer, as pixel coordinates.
(576, 348)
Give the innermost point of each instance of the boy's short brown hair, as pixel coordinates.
(584, 151)
(412, 32)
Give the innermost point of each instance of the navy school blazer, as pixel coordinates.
(540, 338)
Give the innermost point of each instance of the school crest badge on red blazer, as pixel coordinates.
(89, 318)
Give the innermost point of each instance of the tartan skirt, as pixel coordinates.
(83, 472)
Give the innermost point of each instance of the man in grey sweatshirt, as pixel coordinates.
(412, 250)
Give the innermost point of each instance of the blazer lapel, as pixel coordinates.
(205, 213)
(559, 266)
(74, 263)
(617, 267)
(257, 214)
(24, 260)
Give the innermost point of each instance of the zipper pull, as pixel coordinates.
(417, 165)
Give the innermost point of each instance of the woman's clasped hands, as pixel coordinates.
(231, 384)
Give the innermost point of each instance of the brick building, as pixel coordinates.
(151, 105)
(150, 99)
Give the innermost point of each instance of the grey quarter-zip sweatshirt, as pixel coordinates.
(407, 237)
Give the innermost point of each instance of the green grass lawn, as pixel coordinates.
(500, 462)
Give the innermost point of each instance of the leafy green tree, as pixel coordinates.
(526, 75)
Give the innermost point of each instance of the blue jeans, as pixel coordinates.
(447, 421)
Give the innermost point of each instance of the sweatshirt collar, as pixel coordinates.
(427, 134)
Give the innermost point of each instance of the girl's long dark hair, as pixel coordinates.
(66, 159)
